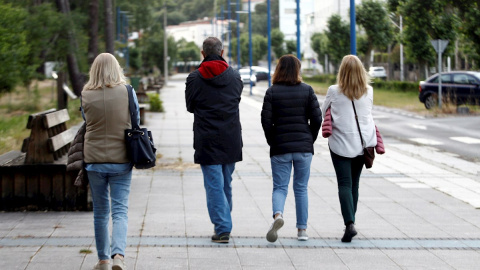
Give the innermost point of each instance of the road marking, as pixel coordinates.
(418, 126)
(425, 141)
(467, 140)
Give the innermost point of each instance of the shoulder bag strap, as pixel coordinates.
(358, 125)
(131, 107)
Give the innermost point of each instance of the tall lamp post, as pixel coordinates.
(238, 35)
(165, 43)
(229, 33)
(250, 42)
(298, 30)
(400, 26)
(353, 38)
(269, 57)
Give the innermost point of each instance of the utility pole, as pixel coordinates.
(353, 37)
(165, 43)
(269, 31)
(299, 56)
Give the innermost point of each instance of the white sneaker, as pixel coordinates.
(302, 235)
(119, 263)
(103, 266)
(276, 225)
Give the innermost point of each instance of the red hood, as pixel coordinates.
(210, 69)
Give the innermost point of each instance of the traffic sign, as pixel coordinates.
(439, 45)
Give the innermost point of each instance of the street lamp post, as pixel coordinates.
(250, 42)
(229, 33)
(165, 43)
(238, 35)
(298, 30)
(353, 37)
(269, 57)
(400, 26)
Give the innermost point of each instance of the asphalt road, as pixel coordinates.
(455, 134)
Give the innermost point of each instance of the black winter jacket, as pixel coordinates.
(214, 101)
(291, 118)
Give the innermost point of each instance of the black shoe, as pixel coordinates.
(222, 238)
(350, 232)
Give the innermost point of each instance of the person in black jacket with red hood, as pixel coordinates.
(212, 94)
(291, 120)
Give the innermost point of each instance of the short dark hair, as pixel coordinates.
(212, 45)
(287, 70)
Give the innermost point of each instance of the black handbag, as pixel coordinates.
(368, 152)
(140, 147)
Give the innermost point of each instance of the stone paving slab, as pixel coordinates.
(417, 210)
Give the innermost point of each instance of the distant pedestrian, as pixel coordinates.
(106, 113)
(213, 94)
(291, 120)
(344, 142)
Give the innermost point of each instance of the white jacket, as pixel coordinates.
(345, 139)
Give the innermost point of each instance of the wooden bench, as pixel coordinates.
(36, 178)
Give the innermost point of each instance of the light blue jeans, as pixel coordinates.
(281, 171)
(217, 180)
(106, 187)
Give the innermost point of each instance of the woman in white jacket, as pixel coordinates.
(345, 145)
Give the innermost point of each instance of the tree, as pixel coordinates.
(319, 43)
(373, 17)
(14, 48)
(188, 51)
(469, 16)
(73, 68)
(338, 33)
(109, 38)
(259, 48)
(277, 42)
(291, 47)
(424, 21)
(93, 31)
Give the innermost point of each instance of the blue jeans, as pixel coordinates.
(106, 187)
(217, 180)
(281, 170)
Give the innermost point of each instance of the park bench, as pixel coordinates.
(36, 178)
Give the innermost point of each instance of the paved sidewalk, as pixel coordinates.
(418, 209)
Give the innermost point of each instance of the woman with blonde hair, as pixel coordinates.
(352, 96)
(106, 113)
(291, 120)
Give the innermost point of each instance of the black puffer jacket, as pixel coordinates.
(213, 95)
(291, 118)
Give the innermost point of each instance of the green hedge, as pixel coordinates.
(396, 85)
(377, 83)
(324, 78)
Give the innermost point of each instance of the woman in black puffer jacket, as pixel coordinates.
(291, 120)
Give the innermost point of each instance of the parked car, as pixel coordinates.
(458, 87)
(260, 72)
(246, 78)
(377, 72)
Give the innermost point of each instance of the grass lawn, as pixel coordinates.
(15, 107)
(400, 100)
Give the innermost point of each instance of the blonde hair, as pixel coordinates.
(105, 72)
(352, 78)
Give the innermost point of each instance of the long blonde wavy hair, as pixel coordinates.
(105, 72)
(352, 78)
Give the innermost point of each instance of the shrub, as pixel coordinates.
(324, 78)
(396, 85)
(156, 105)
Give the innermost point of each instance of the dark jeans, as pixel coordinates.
(348, 172)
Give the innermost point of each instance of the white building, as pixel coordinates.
(288, 26)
